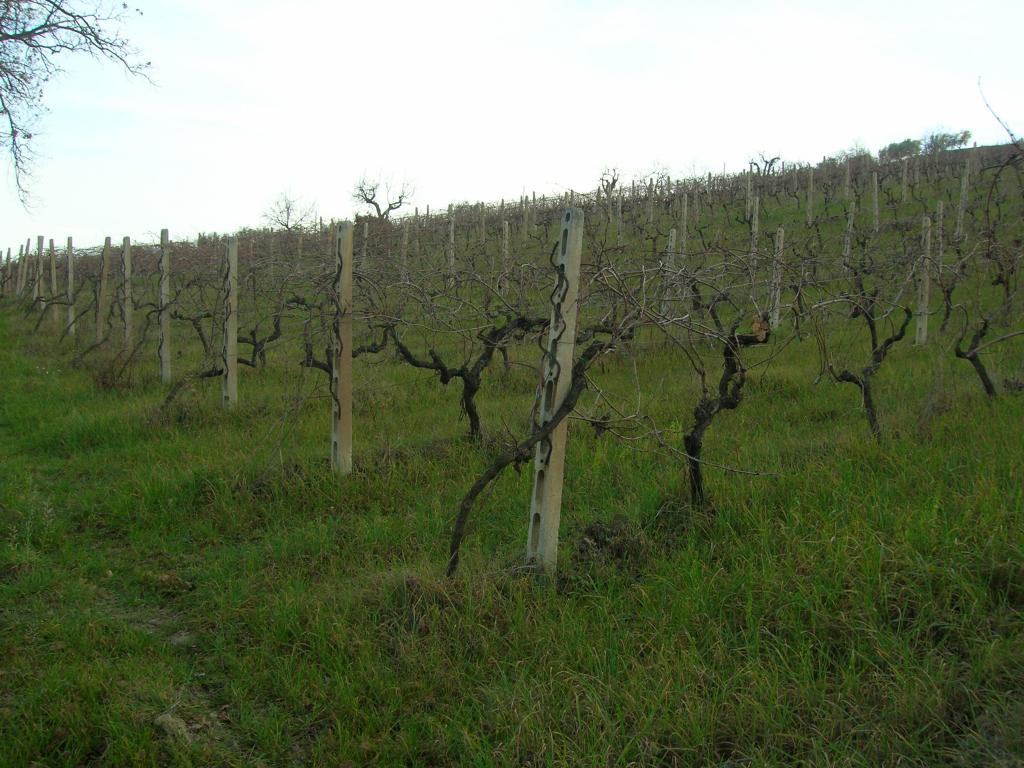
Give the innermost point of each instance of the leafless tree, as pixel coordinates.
(33, 34)
(366, 192)
(288, 213)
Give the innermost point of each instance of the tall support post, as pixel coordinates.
(650, 202)
(620, 236)
(668, 271)
(549, 460)
(366, 240)
(55, 312)
(29, 262)
(451, 240)
(940, 236)
(924, 282)
(101, 295)
(5, 285)
(53, 270)
(846, 181)
(403, 254)
(126, 292)
(750, 192)
(37, 282)
(810, 196)
(851, 213)
(70, 256)
(504, 245)
(229, 348)
(875, 221)
(903, 181)
(165, 307)
(683, 226)
(755, 225)
(962, 208)
(777, 269)
(19, 287)
(341, 352)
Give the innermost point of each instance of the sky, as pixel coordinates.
(477, 100)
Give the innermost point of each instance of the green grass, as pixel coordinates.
(856, 604)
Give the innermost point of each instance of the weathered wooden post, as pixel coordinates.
(549, 461)
(777, 269)
(755, 228)
(962, 209)
(851, 213)
(668, 270)
(620, 236)
(403, 253)
(810, 196)
(750, 192)
(504, 245)
(165, 307)
(37, 283)
(229, 349)
(451, 240)
(875, 221)
(126, 291)
(366, 239)
(19, 287)
(53, 270)
(101, 295)
(924, 282)
(683, 226)
(70, 255)
(341, 351)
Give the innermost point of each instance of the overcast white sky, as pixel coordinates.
(479, 100)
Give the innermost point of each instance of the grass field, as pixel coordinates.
(199, 589)
(183, 585)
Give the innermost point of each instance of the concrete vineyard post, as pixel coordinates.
(341, 351)
(777, 268)
(55, 315)
(229, 349)
(37, 282)
(549, 461)
(165, 309)
(750, 193)
(810, 196)
(684, 216)
(924, 283)
(620, 236)
(403, 257)
(669, 269)
(70, 255)
(846, 181)
(755, 216)
(126, 291)
(19, 287)
(875, 223)
(504, 245)
(101, 295)
(903, 181)
(962, 208)
(366, 240)
(451, 241)
(848, 235)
